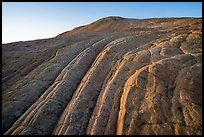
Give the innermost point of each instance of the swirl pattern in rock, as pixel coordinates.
(115, 76)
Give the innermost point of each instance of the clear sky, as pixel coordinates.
(23, 21)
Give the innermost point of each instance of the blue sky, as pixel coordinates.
(23, 21)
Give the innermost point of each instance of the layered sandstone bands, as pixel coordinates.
(114, 76)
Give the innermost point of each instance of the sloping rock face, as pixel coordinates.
(114, 76)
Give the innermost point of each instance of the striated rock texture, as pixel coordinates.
(114, 76)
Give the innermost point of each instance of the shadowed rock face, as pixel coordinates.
(113, 76)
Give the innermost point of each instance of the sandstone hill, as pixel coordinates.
(113, 76)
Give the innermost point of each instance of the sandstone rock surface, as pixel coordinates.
(114, 76)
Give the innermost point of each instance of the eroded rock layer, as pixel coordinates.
(114, 76)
